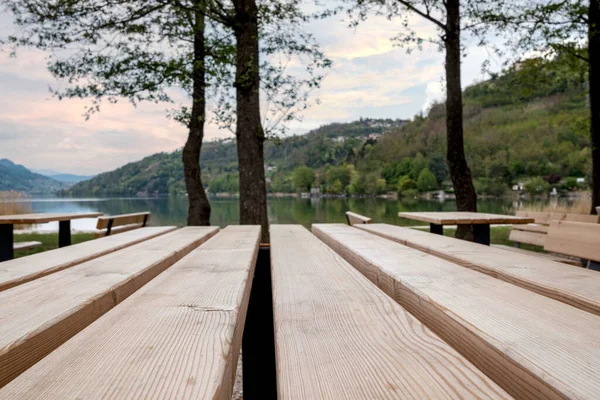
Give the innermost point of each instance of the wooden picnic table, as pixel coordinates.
(481, 221)
(7, 223)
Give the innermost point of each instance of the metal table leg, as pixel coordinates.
(6, 242)
(437, 229)
(64, 233)
(481, 233)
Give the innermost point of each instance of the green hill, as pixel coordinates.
(17, 177)
(528, 125)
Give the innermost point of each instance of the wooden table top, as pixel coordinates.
(43, 218)
(464, 218)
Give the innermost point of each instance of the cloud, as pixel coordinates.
(370, 77)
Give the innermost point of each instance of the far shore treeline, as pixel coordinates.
(233, 53)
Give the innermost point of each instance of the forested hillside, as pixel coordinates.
(527, 125)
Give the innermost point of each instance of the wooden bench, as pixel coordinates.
(354, 218)
(39, 316)
(25, 269)
(577, 239)
(532, 346)
(113, 224)
(578, 287)
(178, 337)
(535, 234)
(26, 245)
(339, 337)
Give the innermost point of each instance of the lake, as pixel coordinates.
(225, 211)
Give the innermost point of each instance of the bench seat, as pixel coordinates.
(354, 218)
(26, 245)
(40, 315)
(176, 338)
(532, 346)
(18, 271)
(546, 256)
(337, 336)
(578, 287)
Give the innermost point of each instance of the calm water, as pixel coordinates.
(287, 210)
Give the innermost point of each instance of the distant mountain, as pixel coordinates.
(61, 177)
(17, 177)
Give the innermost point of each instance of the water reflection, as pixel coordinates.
(225, 211)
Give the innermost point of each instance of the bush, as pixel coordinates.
(490, 187)
(336, 187)
(405, 183)
(303, 178)
(537, 185)
(426, 181)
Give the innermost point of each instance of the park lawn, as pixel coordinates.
(49, 241)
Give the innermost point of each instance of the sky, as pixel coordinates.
(369, 78)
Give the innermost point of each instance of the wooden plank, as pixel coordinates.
(578, 287)
(26, 245)
(545, 256)
(41, 315)
(27, 219)
(578, 239)
(534, 238)
(117, 230)
(532, 228)
(18, 271)
(532, 346)
(354, 218)
(542, 217)
(464, 218)
(587, 218)
(123, 219)
(176, 338)
(339, 337)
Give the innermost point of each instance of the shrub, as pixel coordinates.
(537, 185)
(426, 181)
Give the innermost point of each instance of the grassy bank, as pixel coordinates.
(49, 241)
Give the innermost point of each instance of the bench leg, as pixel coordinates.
(64, 233)
(594, 266)
(7, 242)
(481, 233)
(437, 229)
(258, 342)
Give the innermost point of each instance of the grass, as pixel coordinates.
(49, 241)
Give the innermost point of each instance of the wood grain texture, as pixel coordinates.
(532, 346)
(578, 239)
(532, 228)
(25, 219)
(21, 270)
(123, 219)
(339, 337)
(26, 245)
(354, 218)
(37, 317)
(546, 218)
(176, 338)
(545, 256)
(534, 238)
(578, 287)
(464, 218)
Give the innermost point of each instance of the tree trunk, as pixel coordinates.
(249, 131)
(594, 77)
(199, 207)
(466, 198)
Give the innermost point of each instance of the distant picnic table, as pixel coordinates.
(481, 221)
(7, 223)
